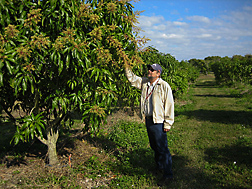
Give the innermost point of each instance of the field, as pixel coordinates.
(211, 145)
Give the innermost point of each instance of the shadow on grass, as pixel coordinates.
(14, 155)
(221, 116)
(238, 153)
(140, 162)
(234, 161)
(207, 84)
(221, 96)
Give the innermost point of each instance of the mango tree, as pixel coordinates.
(200, 65)
(57, 57)
(228, 70)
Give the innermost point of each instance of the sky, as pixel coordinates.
(189, 29)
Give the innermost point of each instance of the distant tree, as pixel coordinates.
(200, 65)
(210, 60)
(228, 70)
(213, 58)
(248, 56)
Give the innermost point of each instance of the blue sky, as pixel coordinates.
(189, 29)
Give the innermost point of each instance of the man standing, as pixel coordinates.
(157, 106)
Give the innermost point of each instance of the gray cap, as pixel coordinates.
(156, 67)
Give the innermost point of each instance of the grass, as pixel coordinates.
(211, 142)
(211, 145)
(215, 138)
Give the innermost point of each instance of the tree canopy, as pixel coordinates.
(57, 57)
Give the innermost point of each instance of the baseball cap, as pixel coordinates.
(155, 67)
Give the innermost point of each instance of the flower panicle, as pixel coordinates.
(98, 110)
(10, 32)
(34, 17)
(39, 41)
(111, 7)
(24, 52)
(29, 67)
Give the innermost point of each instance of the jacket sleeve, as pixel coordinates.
(135, 80)
(169, 108)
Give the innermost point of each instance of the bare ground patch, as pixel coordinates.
(28, 168)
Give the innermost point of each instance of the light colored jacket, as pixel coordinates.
(162, 99)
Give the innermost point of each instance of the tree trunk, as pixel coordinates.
(52, 138)
(51, 142)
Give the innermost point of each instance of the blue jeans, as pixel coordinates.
(158, 142)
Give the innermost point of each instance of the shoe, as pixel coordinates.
(165, 181)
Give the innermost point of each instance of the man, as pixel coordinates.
(157, 106)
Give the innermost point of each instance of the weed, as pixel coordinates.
(16, 172)
(129, 135)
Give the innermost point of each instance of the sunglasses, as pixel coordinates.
(151, 69)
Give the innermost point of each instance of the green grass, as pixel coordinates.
(211, 141)
(211, 145)
(214, 134)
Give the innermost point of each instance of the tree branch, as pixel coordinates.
(43, 140)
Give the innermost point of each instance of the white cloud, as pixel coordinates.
(176, 23)
(205, 35)
(199, 19)
(146, 21)
(160, 27)
(247, 8)
(171, 36)
(200, 36)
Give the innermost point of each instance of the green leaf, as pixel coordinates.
(24, 84)
(93, 72)
(31, 82)
(67, 61)
(1, 79)
(60, 64)
(53, 56)
(16, 140)
(40, 132)
(97, 75)
(7, 63)
(17, 83)
(55, 103)
(65, 50)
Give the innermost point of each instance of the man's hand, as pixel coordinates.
(126, 66)
(166, 130)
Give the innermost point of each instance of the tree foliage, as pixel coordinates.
(201, 65)
(57, 57)
(178, 74)
(228, 71)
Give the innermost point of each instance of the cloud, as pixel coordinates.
(247, 8)
(171, 36)
(199, 19)
(160, 27)
(176, 23)
(200, 36)
(149, 21)
(205, 35)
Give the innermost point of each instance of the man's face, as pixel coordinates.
(153, 74)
